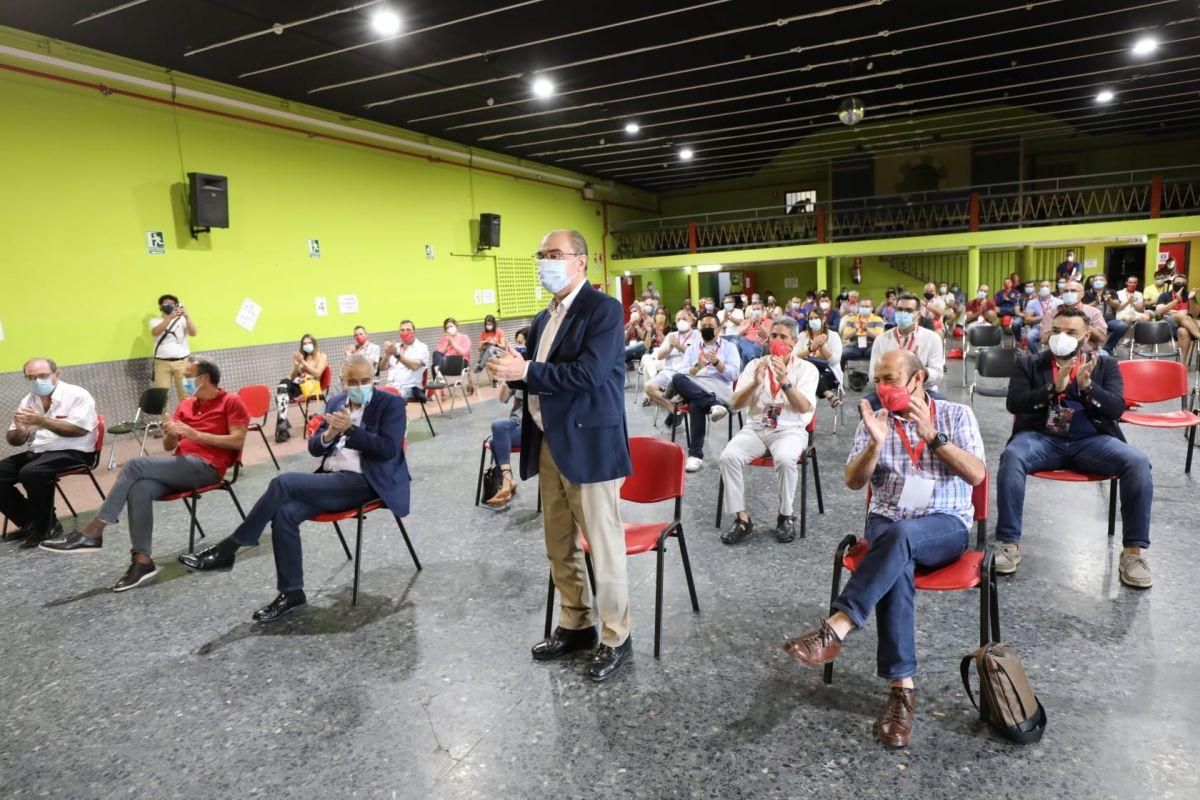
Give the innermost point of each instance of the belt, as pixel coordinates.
(160, 358)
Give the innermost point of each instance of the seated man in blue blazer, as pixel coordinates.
(361, 447)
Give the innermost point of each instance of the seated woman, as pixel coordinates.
(308, 365)
(491, 337)
(453, 343)
(822, 348)
(636, 332)
(519, 340)
(506, 434)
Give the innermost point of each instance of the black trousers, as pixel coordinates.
(35, 472)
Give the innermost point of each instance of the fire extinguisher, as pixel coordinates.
(856, 271)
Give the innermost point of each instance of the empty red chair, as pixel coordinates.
(658, 475)
(1154, 381)
(1069, 476)
(972, 569)
(258, 404)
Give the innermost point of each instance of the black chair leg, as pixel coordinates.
(412, 552)
(96, 483)
(812, 453)
(191, 507)
(63, 495)
(1187, 468)
(342, 539)
(550, 605)
(1112, 508)
(995, 609)
(428, 421)
(658, 593)
(479, 480)
(720, 500)
(846, 543)
(687, 568)
(236, 504)
(985, 598)
(357, 559)
(803, 498)
(270, 452)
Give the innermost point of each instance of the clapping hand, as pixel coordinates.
(874, 421)
(779, 367)
(338, 421)
(1064, 375)
(26, 418)
(1083, 378)
(918, 411)
(180, 430)
(507, 367)
(816, 342)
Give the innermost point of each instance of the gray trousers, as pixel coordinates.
(145, 479)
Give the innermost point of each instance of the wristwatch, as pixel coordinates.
(938, 441)
(787, 387)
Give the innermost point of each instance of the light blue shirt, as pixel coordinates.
(726, 351)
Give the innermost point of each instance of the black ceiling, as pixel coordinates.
(736, 97)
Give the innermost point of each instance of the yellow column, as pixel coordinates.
(822, 272)
(1151, 262)
(972, 271)
(694, 286)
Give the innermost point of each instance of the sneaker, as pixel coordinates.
(740, 530)
(1007, 557)
(694, 464)
(717, 413)
(785, 529)
(137, 574)
(73, 542)
(1134, 571)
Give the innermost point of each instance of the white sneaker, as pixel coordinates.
(694, 464)
(717, 413)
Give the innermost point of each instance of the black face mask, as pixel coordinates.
(708, 334)
(929, 295)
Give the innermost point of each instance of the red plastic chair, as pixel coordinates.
(809, 454)
(83, 469)
(974, 568)
(303, 402)
(1154, 381)
(358, 514)
(258, 404)
(1069, 476)
(191, 499)
(658, 475)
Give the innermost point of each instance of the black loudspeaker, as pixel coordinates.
(208, 196)
(489, 230)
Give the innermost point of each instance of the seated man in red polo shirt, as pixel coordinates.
(204, 437)
(982, 310)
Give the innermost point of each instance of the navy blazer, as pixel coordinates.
(581, 389)
(1029, 398)
(380, 443)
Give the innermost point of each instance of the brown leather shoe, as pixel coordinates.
(814, 648)
(895, 726)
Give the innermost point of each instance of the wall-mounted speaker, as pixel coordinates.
(489, 231)
(208, 198)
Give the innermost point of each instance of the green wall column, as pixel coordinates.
(972, 271)
(835, 284)
(1027, 265)
(693, 275)
(1151, 261)
(822, 273)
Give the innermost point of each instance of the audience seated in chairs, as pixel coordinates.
(668, 359)
(491, 341)
(779, 391)
(453, 343)
(361, 447)
(921, 458)
(204, 437)
(908, 335)
(982, 309)
(822, 348)
(637, 333)
(1178, 306)
(860, 329)
(1097, 328)
(1100, 297)
(1036, 309)
(1067, 405)
(363, 346)
(304, 382)
(407, 361)
(705, 382)
(506, 434)
(56, 424)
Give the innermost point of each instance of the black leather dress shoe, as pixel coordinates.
(210, 558)
(608, 660)
(564, 641)
(285, 603)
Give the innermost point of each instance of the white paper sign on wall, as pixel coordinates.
(429, 252)
(348, 303)
(314, 248)
(1163, 255)
(489, 296)
(322, 304)
(156, 244)
(247, 316)
(1090, 263)
(791, 283)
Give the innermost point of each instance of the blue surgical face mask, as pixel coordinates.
(814, 324)
(552, 272)
(520, 348)
(189, 386)
(1028, 290)
(359, 395)
(307, 347)
(905, 319)
(1044, 291)
(43, 387)
(1098, 285)
(1070, 298)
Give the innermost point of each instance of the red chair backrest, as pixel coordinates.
(389, 389)
(257, 399)
(99, 439)
(657, 470)
(1153, 380)
(326, 378)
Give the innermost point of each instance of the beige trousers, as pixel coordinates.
(591, 509)
(166, 374)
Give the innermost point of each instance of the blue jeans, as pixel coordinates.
(885, 579)
(699, 401)
(290, 499)
(1116, 329)
(505, 434)
(634, 351)
(748, 350)
(855, 354)
(1030, 451)
(1033, 337)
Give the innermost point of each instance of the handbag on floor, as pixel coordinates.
(1006, 700)
(493, 479)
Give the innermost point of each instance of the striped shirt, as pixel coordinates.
(951, 494)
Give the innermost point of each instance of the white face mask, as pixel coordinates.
(683, 326)
(729, 306)
(824, 304)
(450, 331)
(1063, 344)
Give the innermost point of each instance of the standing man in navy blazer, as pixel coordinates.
(573, 433)
(361, 447)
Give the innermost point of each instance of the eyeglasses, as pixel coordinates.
(42, 376)
(553, 255)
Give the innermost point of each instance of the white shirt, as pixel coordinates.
(922, 341)
(346, 459)
(835, 351)
(401, 376)
(803, 375)
(174, 338)
(731, 321)
(1133, 301)
(68, 403)
(545, 343)
(370, 351)
(672, 357)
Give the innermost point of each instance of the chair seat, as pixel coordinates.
(986, 392)
(189, 492)
(762, 461)
(1070, 477)
(122, 427)
(487, 445)
(640, 537)
(1166, 419)
(82, 470)
(351, 513)
(960, 574)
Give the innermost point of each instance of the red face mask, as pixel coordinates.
(894, 398)
(779, 348)
(361, 338)
(408, 337)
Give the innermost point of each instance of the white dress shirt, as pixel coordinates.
(401, 376)
(346, 459)
(922, 341)
(801, 374)
(672, 357)
(370, 351)
(68, 403)
(174, 338)
(558, 311)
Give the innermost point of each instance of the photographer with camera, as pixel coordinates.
(171, 332)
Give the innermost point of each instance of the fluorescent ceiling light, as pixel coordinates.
(708, 268)
(632, 127)
(1145, 46)
(686, 154)
(385, 22)
(1104, 96)
(543, 87)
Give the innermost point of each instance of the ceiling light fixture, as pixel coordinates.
(708, 268)
(1104, 96)
(385, 22)
(1145, 46)
(686, 154)
(632, 127)
(543, 87)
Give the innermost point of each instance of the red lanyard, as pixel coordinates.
(771, 375)
(1074, 372)
(909, 343)
(915, 453)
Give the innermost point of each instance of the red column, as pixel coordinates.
(973, 225)
(1155, 197)
(692, 247)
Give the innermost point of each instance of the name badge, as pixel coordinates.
(917, 493)
(771, 417)
(1058, 420)
(862, 342)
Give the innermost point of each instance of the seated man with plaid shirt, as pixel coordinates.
(921, 456)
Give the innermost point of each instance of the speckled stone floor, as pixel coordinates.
(426, 688)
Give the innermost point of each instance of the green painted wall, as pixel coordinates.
(87, 175)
